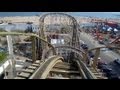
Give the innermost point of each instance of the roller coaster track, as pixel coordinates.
(29, 34)
(54, 66)
(104, 47)
(117, 39)
(74, 28)
(42, 69)
(97, 53)
(76, 50)
(83, 59)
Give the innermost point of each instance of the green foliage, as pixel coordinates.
(17, 30)
(2, 30)
(3, 56)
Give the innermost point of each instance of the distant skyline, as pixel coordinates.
(92, 14)
(75, 14)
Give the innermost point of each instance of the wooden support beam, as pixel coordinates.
(84, 57)
(64, 71)
(33, 48)
(95, 60)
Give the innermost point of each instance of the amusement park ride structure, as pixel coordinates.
(64, 58)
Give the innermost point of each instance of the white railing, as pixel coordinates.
(4, 65)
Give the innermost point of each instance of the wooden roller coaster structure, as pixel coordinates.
(54, 65)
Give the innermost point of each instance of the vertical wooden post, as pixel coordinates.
(33, 48)
(96, 58)
(11, 53)
(85, 56)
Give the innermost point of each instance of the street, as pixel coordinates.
(108, 56)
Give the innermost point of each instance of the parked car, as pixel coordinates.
(117, 61)
(91, 54)
(84, 46)
(112, 75)
(108, 71)
(106, 68)
(101, 42)
(101, 65)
